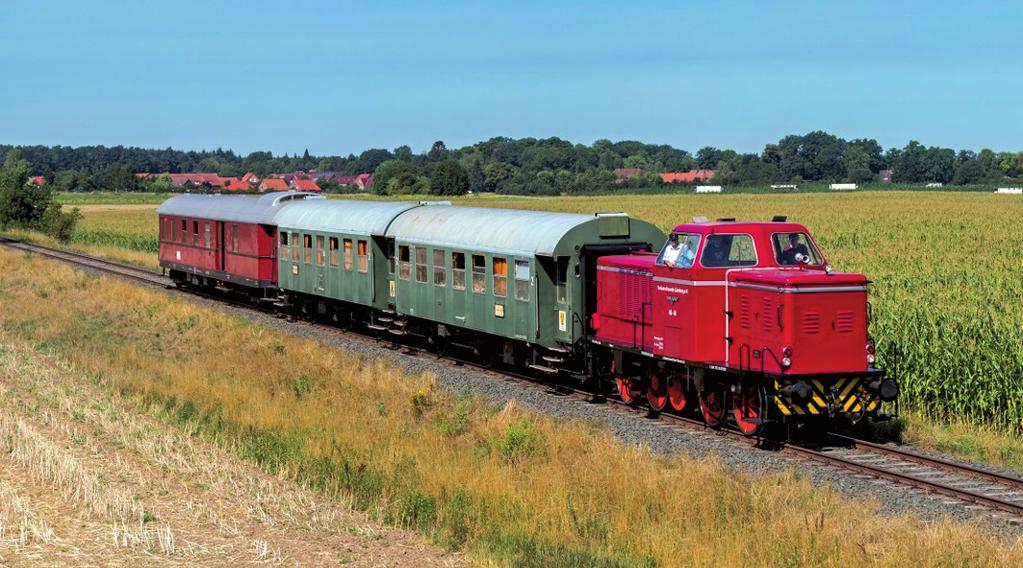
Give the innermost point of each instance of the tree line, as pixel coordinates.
(540, 166)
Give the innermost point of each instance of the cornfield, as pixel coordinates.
(947, 310)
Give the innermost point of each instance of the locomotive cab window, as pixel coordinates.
(439, 270)
(363, 256)
(791, 249)
(727, 251)
(679, 251)
(348, 254)
(500, 276)
(479, 274)
(307, 246)
(522, 280)
(458, 270)
(320, 253)
(333, 252)
(403, 262)
(421, 264)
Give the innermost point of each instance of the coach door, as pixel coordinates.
(458, 288)
(321, 262)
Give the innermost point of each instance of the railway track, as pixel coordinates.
(958, 481)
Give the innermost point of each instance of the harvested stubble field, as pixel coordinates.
(150, 391)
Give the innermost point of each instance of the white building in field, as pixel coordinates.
(1010, 190)
(843, 186)
(784, 186)
(935, 184)
(707, 189)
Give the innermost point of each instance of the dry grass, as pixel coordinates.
(507, 486)
(83, 475)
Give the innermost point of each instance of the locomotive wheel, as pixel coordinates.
(626, 388)
(676, 392)
(656, 392)
(712, 406)
(750, 408)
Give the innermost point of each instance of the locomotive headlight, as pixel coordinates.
(871, 352)
(786, 357)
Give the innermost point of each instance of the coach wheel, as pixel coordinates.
(750, 408)
(712, 406)
(626, 388)
(656, 392)
(676, 392)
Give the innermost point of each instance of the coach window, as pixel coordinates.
(206, 234)
(184, 230)
(195, 233)
(458, 270)
(403, 262)
(561, 280)
(479, 274)
(320, 253)
(363, 256)
(234, 238)
(348, 254)
(500, 276)
(284, 246)
(294, 247)
(307, 246)
(333, 251)
(421, 264)
(439, 270)
(522, 280)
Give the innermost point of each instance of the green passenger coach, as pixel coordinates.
(337, 250)
(520, 275)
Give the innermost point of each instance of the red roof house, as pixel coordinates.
(250, 177)
(235, 184)
(364, 181)
(38, 180)
(304, 185)
(273, 184)
(687, 177)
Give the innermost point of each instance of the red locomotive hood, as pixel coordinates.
(797, 278)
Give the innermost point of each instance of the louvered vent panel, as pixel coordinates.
(844, 322)
(811, 323)
(767, 314)
(745, 314)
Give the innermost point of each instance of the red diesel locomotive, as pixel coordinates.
(746, 315)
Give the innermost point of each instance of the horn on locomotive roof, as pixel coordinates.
(699, 219)
(726, 218)
(779, 219)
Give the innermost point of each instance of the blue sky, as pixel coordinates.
(340, 77)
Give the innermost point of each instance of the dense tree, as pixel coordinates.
(406, 174)
(25, 204)
(449, 178)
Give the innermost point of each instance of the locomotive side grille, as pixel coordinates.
(634, 293)
(767, 314)
(844, 322)
(811, 323)
(744, 312)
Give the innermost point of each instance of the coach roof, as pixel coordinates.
(342, 216)
(232, 208)
(513, 231)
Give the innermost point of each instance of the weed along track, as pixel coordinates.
(957, 483)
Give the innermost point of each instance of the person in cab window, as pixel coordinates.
(677, 254)
(792, 251)
(716, 253)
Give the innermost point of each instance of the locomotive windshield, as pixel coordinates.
(792, 248)
(679, 250)
(726, 251)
